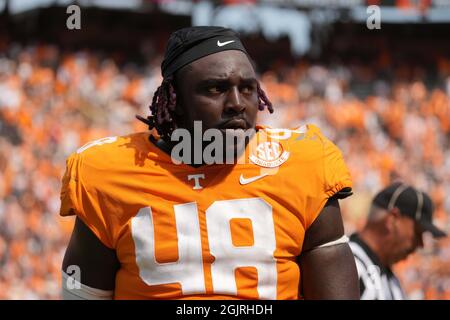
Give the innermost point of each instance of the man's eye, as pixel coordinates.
(247, 89)
(214, 89)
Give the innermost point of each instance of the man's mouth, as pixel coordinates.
(235, 124)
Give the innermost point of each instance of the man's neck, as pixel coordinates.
(161, 144)
(166, 147)
(370, 237)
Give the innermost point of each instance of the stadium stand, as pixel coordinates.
(390, 117)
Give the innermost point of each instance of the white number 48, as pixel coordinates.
(188, 270)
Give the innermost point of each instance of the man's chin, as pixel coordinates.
(404, 256)
(233, 132)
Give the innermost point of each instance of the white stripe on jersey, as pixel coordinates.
(376, 285)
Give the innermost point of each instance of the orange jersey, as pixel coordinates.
(215, 231)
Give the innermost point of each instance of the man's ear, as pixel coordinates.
(179, 114)
(179, 108)
(395, 212)
(391, 219)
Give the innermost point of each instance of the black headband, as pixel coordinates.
(195, 47)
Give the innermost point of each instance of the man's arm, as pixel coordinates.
(97, 263)
(328, 272)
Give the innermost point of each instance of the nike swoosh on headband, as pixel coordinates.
(221, 44)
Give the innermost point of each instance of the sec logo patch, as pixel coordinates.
(269, 154)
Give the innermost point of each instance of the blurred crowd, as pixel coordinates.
(392, 123)
(390, 126)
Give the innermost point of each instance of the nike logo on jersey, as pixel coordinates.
(244, 181)
(221, 44)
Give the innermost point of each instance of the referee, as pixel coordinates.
(398, 216)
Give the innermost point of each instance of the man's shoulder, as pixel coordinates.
(110, 152)
(305, 142)
(305, 132)
(361, 251)
(104, 147)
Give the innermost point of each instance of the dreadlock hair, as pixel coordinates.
(162, 110)
(263, 101)
(164, 104)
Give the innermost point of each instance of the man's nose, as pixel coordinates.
(234, 103)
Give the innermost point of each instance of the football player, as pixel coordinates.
(149, 227)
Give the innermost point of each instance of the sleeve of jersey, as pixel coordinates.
(77, 198)
(338, 182)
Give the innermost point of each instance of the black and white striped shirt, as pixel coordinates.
(376, 281)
